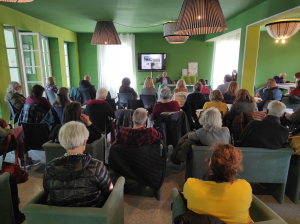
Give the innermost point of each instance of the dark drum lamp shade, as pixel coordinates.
(200, 17)
(280, 31)
(17, 1)
(169, 35)
(105, 34)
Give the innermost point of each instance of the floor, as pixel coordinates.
(146, 210)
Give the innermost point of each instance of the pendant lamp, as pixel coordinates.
(200, 17)
(169, 35)
(280, 31)
(17, 1)
(105, 34)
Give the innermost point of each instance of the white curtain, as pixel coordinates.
(116, 62)
(226, 58)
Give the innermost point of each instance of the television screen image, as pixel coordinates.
(151, 62)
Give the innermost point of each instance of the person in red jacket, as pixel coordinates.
(166, 104)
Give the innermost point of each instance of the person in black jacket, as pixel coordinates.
(125, 88)
(85, 85)
(73, 112)
(76, 179)
(268, 133)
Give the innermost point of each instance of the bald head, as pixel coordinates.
(87, 78)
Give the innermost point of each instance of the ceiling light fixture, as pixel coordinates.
(17, 1)
(282, 30)
(200, 17)
(105, 34)
(170, 36)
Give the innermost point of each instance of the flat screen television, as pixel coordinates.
(151, 62)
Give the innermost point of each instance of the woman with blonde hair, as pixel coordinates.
(51, 86)
(181, 87)
(216, 99)
(149, 88)
(223, 191)
(244, 102)
(230, 94)
(212, 130)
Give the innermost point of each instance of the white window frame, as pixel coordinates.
(48, 53)
(67, 64)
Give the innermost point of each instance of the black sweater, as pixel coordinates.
(268, 133)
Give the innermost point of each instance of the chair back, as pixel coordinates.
(134, 104)
(112, 104)
(85, 96)
(6, 206)
(35, 135)
(97, 117)
(12, 112)
(123, 97)
(148, 100)
(228, 101)
(51, 95)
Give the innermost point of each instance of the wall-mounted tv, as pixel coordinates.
(151, 62)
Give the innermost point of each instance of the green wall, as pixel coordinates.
(274, 58)
(55, 61)
(178, 56)
(87, 57)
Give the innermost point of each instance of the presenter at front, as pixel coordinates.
(163, 80)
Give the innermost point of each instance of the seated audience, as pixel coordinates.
(197, 94)
(36, 97)
(149, 88)
(268, 133)
(138, 135)
(230, 94)
(85, 85)
(272, 92)
(125, 88)
(204, 90)
(163, 80)
(223, 195)
(212, 131)
(223, 87)
(280, 78)
(76, 179)
(234, 75)
(244, 102)
(166, 104)
(296, 91)
(180, 97)
(73, 112)
(18, 134)
(216, 99)
(61, 101)
(51, 86)
(180, 87)
(14, 96)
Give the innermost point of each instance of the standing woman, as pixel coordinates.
(51, 86)
(125, 88)
(234, 75)
(230, 94)
(149, 88)
(181, 87)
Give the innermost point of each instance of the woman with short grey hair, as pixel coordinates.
(166, 105)
(14, 96)
(216, 99)
(212, 131)
(75, 169)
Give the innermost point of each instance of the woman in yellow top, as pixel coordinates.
(181, 87)
(216, 99)
(223, 196)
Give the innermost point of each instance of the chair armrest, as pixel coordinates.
(117, 192)
(178, 205)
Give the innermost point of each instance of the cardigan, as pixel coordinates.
(238, 107)
(209, 138)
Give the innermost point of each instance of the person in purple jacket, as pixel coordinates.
(280, 78)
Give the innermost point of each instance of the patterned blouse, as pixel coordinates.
(53, 88)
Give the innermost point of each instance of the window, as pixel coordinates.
(46, 55)
(67, 65)
(12, 54)
(226, 57)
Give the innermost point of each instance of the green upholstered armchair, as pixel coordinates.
(37, 212)
(6, 207)
(293, 181)
(96, 149)
(259, 212)
(259, 166)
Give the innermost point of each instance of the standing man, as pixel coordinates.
(85, 85)
(163, 80)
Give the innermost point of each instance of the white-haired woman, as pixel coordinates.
(212, 131)
(166, 105)
(14, 96)
(88, 182)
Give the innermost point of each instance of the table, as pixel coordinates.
(286, 86)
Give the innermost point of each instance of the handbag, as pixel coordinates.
(13, 168)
